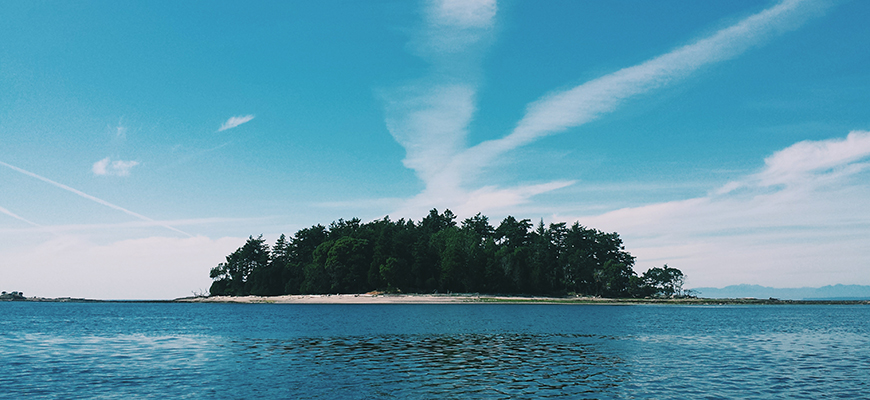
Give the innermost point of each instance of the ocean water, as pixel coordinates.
(475, 351)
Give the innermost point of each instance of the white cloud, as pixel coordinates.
(432, 123)
(799, 221)
(812, 158)
(430, 117)
(488, 199)
(559, 111)
(454, 29)
(235, 121)
(147, 268)
(431, 126)
(493, 199)
(463, 13)
(809, 163)
(99, 167)
(116, 168)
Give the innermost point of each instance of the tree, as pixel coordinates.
(614, 279)
(513, 233)
(236, 271)
(478, 247)
(512, 257)
(347, 264)
(586, 252)
(316, 279)
(298, 255)
(270, 279)
(390, 272)
(435, 222)
(665, 281)
(547, 259)
(426, 266)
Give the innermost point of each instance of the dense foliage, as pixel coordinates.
(12, 296)
(437, 254)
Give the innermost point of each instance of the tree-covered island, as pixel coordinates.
(439, 255)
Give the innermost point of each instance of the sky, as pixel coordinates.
(142, 142)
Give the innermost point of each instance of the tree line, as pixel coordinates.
(438, 254)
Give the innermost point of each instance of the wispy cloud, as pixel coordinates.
(430, 117)
(463, 13)
(120, 130)
(432, 126)
(187, 155)
(800, 163)
(235, 121)
(16, 216)
(559, 111)
(117, 168)
(89, 197)
(453, 27)
(801, 218)
(129, 224)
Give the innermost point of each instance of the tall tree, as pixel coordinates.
(239, 266)
(300, 254)
(513, 255)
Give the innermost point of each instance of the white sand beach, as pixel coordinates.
(369, 298)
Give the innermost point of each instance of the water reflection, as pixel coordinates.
(796, 365)
(122, 366)
(60, 351)
(463, 365)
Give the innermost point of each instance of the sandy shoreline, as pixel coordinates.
(475, 298)
(366, 299)
(381, 298)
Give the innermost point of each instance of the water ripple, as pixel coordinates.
(478, 352)
(465, 365)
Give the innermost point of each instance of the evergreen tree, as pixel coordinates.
(435, 254)
(239, 266)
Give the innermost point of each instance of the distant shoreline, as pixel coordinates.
(78, 300)
(483, 299)
(448, 299)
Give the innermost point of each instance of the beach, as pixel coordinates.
(365, 298)
(382, 298)
(369, 298)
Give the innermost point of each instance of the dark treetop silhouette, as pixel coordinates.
(436, 254)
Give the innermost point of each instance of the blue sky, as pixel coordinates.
(141, 142)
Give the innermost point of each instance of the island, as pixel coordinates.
(437, 255)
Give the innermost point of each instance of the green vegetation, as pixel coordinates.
(12, 296)
(437, 255)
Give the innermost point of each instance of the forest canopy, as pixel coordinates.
(439, 255)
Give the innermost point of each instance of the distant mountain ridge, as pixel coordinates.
(830, 292)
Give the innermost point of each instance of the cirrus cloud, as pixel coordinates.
(431, 119)
(800, 220)
(235, 121)
(108, 167)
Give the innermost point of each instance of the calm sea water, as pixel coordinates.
(486, 351)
